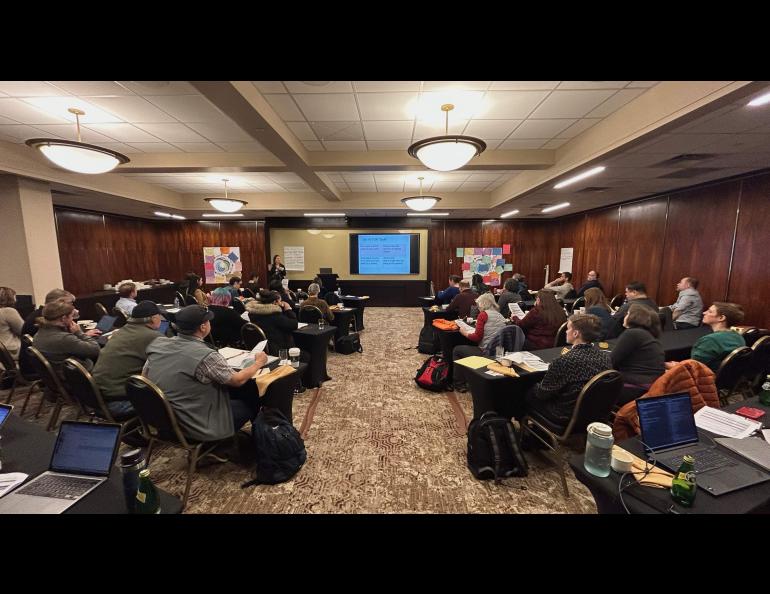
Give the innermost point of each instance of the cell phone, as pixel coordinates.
(750, 413)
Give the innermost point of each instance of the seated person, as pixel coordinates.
(592, 281)
(312, 299)
(60, 337)
(510, 294)
(445, 297)
(286, 294)
(542, 322)
(197, 381)
(638, 354)
(124, 355)
(561, 286)
(194, 288)
(596, 304)
(687, 312)
(235, 287)
(523, 286)
(712, 348)
(31, 321)
(127, 301)
(636, 292)
(478, 286)
(227, 323)
(556, 395)
(253, 283)
(489, 323)
(276, 318)
(462, 302)
(10, 322)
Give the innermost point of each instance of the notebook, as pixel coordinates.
(81, 461)
(669, 433)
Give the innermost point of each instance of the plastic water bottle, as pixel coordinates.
(598, 454)
(131, 464)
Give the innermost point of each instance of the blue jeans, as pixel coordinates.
(120, 407)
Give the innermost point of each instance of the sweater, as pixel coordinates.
(488, 324)
(58, 344)
(123, 356)
(505, 298)
(592, 284)
(638, 356)
(322, 305)
(605, 316)
(539, 333)
(444, 297)
(10, 330)
(462, 302)
(712, 348)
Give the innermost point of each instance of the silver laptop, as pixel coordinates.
(81, 461)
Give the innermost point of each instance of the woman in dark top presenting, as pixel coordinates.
(638, 354)
(277, 269)
(542, 322)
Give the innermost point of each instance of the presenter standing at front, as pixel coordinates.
(277, 269)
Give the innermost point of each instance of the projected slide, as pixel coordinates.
(383, 254)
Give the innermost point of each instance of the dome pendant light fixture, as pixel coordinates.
(448, 152)
(421, 203)
(226, 204)
(78, 156)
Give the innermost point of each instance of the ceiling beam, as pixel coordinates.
(401, 161)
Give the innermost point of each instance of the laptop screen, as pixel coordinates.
(85, 448)
(666, 421)
(5, 410)
(106, 323)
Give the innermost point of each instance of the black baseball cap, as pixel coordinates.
(190, 317)
(145, 309)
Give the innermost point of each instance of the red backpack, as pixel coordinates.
(433, 374)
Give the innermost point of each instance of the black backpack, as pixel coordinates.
(347, 345)
(494, 448)
(433, 374)
(279, 448)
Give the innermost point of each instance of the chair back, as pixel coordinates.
(309, 314)
(666, 318)
(120, 317)
(155, 413)
(82, 387)
(579, 302)
(595, 401)
(189, 300)
(47, 374)
(617, 300)
(225, 326)
(26, 365)
(751, 335)
(181, 298)
(734, 367)
(101, 310)
(9, 369)
(561, 336)
(238, 306)
(251, 335)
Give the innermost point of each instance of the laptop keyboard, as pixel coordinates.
(58, 487)
(705, 459)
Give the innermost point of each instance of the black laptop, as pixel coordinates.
(106, 323)
(669, 433)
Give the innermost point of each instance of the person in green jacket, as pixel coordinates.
(124, 356)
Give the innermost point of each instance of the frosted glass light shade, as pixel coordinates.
(447, 153)
(78, 156)
(421, 203)
(226, 205)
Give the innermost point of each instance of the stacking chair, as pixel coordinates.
(594, 403)
(309, 314)
(120, 317)
(102, 311)
(251, 335)
(733, 369)
(27, 371)
(666, 319)
(751, 335)
(760, 363)
(11, 374)
(249, 293)
(9, 371)
(189, 300)
(238, 306)
(561, 336)
(51, 381)
(159, 423)
(617, 301)
(181, 298)
(579, 302)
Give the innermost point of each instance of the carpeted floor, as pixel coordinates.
(377, 444)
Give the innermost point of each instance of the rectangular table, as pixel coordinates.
(316, 342)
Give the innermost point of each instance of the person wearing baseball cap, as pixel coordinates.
(124, 355)
(197, 381)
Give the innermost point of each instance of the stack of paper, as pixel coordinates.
(9, 480)
(528, 361)
(724, 423)
(301, 325)
(463, 326)
(236, 357)
(516, 310)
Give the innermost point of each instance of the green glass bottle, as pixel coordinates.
(683, 486)
(147, 499)
(764, 395)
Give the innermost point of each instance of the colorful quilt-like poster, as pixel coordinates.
(221, 263)
(488, 262)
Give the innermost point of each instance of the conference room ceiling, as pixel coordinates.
(290, 147)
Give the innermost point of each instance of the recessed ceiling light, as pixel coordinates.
(162, 214)
(761, 100)
(324, 214)
(509, 214)
(580, 176)
(427, 214)
(178, 217)
(221, 215)
(556, 207)
(169, 216)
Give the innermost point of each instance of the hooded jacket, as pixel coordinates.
(278, 325)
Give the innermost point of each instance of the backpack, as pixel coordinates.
(494, 448)
(433, 374)
(347, 345)
(279, 448)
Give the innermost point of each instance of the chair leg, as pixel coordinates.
(149, 450)
(40, 404)
(54, 415)
(193, 462)
(13, 389)
(559, 454)
(30, 391)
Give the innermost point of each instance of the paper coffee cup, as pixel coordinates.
(294, 352)
(621, 460)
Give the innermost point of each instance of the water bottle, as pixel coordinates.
(176, 302)
(131, 464)
(598, 454)
(432, 290)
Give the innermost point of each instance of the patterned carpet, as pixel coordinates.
(377, 444)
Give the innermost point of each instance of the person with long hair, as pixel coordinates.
(542, 322)
(478, 286)
(638, 354)
(10, 322)
(277, 269)
(194, 284)
(713, 348)
(597, 305)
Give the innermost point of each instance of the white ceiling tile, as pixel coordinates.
(473, 186)
(389, 176)
(120, 147)
(541, 128)
(554, 143)
(514, 144)
(378, 86)
(285, 107)
(491, 128)
(593, 84)
(313, 145)
(148, 88)
(479, 176)
(328, 107)
(70, 132)
(198, 147)
(221, 131)
(388, 130)
(615, 102)
(283, 177)
(59, 106)
(22, 112)
(338, 130)
(188, 108)
(578, 128)
(155, 147)
(570, 104)
(387, 106)
(427, 129)
(390, 186)
(123, 132)
(442, 186)
(388, 145)
(172, 132)
(453, 176)
(28, 88)
(345, 145)
(243, 147)
(523, 85)
(511, 105)
(361, 187)
(21, 132)
(642, 84)
(358, 177)
(7, 122)
(269, 86)
(301, 130)
(466, 85)
(269, 187)
(91, 87)
(135, 110)
(331, 86)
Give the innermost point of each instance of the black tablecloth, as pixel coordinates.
(342, 320)
(638, 499)
(315, 341)
(426, 301)
(280, 394)
(27, 448)
(429, 334)
(449, 339)
(359, 303)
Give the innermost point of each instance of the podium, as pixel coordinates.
(329, 281)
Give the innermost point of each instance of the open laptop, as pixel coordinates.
(5, 412)
(81, 461)
(669, 433)
(106, 323)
